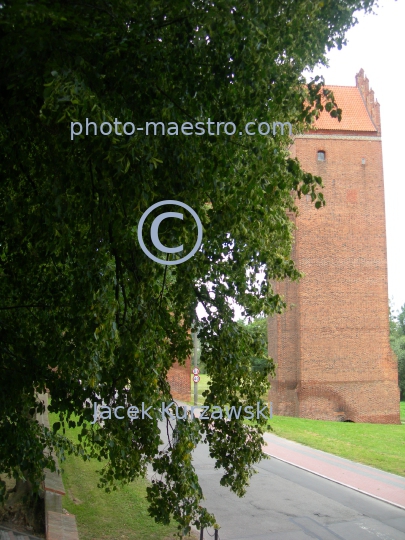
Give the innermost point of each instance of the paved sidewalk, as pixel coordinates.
(379, 484)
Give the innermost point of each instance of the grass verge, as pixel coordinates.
(378, 445)
(120, 515)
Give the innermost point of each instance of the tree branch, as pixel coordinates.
(41, 306)
(176, 104)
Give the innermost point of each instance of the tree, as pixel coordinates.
(258, 330)
(85, 313)
(397, 339)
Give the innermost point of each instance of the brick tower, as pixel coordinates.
(179, 378)
(331, 346)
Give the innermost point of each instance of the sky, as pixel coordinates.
(377, 44)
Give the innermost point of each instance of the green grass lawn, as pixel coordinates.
(378, 445)
(118, 515)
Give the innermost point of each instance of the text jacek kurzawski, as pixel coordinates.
(172, 410)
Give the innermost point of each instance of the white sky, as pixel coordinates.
(377, 44)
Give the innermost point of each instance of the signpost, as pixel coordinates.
(196, 371)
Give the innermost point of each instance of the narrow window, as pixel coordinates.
(321, 155)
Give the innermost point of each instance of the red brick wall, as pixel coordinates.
(284, 344)
(332, 348)
(179, 378)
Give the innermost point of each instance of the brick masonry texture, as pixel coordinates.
(179, 378)
(332, 344)
(61, 527)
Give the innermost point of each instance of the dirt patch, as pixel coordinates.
(73, 498)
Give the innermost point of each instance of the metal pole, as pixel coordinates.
(202, 534)
(195, 362)
(216, 534)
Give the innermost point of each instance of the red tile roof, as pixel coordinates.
(354, 112)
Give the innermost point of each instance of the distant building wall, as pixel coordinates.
(179, 377)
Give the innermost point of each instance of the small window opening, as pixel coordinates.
(321, 155)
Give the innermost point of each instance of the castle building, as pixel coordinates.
(331, 346)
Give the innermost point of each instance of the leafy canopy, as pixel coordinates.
(397, 340)
(84, 313)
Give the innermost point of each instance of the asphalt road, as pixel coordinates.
(284, 502)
